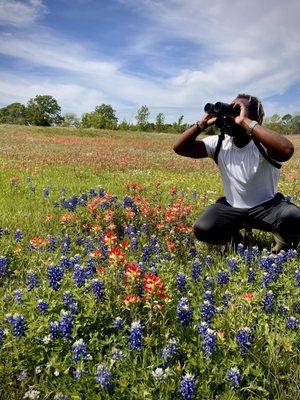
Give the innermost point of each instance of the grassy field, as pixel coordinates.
(106, 217)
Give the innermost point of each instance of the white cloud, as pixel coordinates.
(20, 13)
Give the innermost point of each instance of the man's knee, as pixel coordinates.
(290, 219)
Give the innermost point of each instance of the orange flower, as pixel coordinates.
(132, 271)
(17, 249)
(154, 285)
(37, 242)
(15, 180)
(48, 217)
(171, 245)
(68, 217)
(248, 296)
(115, 255)
(110, 238)
(131, 298)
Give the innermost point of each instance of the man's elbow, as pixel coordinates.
(287, 152)
(176, 148)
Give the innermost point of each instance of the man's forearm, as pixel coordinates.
(187, 138)
(278, 146)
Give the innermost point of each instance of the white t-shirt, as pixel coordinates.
(248, 178)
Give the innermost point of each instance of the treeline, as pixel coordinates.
(44, 110)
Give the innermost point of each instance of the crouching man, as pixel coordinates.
(249, 157)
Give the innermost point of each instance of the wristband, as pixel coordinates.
(198, 123)
(250, 127)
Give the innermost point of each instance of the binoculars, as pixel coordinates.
(220, 109)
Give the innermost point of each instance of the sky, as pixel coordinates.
(172, 55)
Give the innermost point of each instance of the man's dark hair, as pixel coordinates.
(255, 107)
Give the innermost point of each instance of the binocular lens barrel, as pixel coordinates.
(221, 109)
(209, 108)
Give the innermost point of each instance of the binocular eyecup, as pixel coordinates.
(221, 109)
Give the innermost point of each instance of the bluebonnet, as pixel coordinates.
(208, 296)
(79, 241)
(18, 296)
(226, 298)
(79, 372)
(209, 282)
(134, 243)
(18, 235)
(208, 310)
(234, 376)
(18, 324)
(181, 282)
(209, 260)
(55, 275)
(3, 266)
(184, 312)
(68, 299)
(118, 355)
(79, 275)
(66, 325)
(60, 396)
(97, 287)
(53, 241)
(170, 350)
(292, 322)
(68, 263)
(153, 240)
(233, 264)
(145, 228)
(297, 276)
(251, 275)
(80, 351)
(2, 334)
(245, 339)
(269, 302)
(118, 323)
(90, 267)
(92, 193)
(66, 245)
(104, 377)
(196, 270)
(283, 309)
(187, 387)
(135, 336)
(240, 249)
(89, 245)
(223, 277)
(146, 252)
(22, 375)
(209, 339)
(46, 192)
(32, 280)
(42, 306)
(54, 329)
(159, 374)
(193, 252)
(128, 202)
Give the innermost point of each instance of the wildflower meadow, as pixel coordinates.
(106, 294)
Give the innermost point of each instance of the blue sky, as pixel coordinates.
(171, 55)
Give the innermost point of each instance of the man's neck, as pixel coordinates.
(241, 140)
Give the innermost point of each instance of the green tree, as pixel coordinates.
(14, 113)
(159, 122)
(44, 110)
(103, 117)
(108, 113)
(71, 120)
(142, 117)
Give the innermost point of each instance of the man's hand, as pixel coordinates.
(242, 104)
(207, 120)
